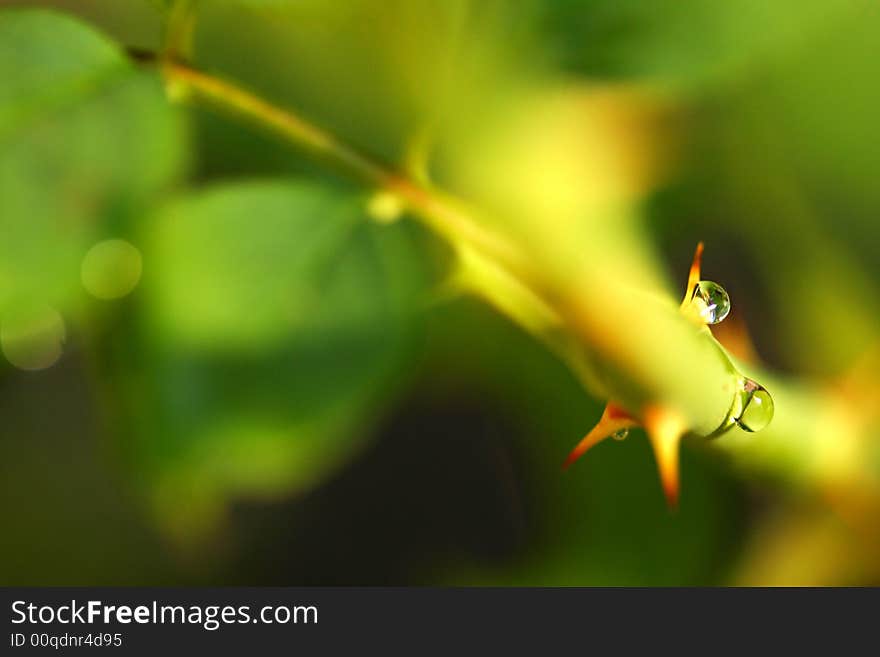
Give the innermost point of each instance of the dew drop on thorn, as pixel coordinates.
(711, 301)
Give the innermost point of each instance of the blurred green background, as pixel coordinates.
(253, 382)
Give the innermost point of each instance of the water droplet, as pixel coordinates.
(711, 301)
(620, 434)
(755, 406)
(751, 410)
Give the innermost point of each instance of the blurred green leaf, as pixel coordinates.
(48, 57)
(275, 318)
(85, 140)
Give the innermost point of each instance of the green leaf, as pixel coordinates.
(86, 140)
(240, 263)
(45, 57)
(274, 319)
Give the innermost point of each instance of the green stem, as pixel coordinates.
(792, 446)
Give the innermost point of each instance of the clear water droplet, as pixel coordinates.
(620, 434)
(711, 301)
(756, 406)
(752, 408)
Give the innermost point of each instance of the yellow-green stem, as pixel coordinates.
(457, 223)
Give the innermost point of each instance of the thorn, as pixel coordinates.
(614, 418)
(665, 428)
(693, 275)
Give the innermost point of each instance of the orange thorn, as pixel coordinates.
(614, 418)
(693, 275)
(665, 428)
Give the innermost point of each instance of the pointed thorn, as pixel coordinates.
(693, 274)
(665, 428)
(614, 418)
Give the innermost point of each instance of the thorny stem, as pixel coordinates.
(453, 220)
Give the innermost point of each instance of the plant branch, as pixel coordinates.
(557, 315)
